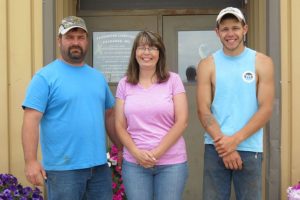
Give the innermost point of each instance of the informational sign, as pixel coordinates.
(111, 52)
(194, 46)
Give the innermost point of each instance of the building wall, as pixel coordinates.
(22, 55)
(4, 156)
(290, 84)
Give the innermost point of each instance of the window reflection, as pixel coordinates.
(192, 47)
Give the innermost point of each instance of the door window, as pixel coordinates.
(194, 46)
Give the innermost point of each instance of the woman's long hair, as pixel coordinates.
(151, 39)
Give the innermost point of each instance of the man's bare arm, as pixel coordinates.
(205, 73)
(30, 138)
(110, 127)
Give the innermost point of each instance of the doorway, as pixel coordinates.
(188, 38)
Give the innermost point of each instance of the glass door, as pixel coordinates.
(188, 39)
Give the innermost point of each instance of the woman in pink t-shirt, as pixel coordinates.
(151, 116)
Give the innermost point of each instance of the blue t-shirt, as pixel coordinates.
(73, 101)
(235, 101)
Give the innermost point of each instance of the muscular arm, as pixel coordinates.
(265, 96)
(181, 118)
(205, 74)
(30, 138)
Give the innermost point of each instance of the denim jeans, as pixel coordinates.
(91, 183)
(217, 179)
(162, 182)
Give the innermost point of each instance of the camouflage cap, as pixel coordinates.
(71, 22)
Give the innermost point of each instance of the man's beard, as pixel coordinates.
(76, 54)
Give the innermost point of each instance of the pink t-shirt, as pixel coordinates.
(150, 115)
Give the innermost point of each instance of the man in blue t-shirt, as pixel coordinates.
(235, 93)
(71, 105)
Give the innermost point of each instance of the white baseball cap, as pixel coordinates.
(231, 10)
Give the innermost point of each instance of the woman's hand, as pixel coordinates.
(145, 158)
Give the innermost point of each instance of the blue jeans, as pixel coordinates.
(91, 183)
(162, 182)
(217, 179)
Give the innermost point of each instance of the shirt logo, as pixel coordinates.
(248, 76)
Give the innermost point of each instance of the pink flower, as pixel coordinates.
(297, 187)
(118, 169)
(115, 159)
(117, 197)
(114, 150)
(294, 192)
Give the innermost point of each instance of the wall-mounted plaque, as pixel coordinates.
(111, 52)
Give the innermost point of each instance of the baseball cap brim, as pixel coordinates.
(230, 10)
(64, 31)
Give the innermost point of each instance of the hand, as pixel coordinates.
(145, 158)
(35, 173)
(233, 161)
(225, 145)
